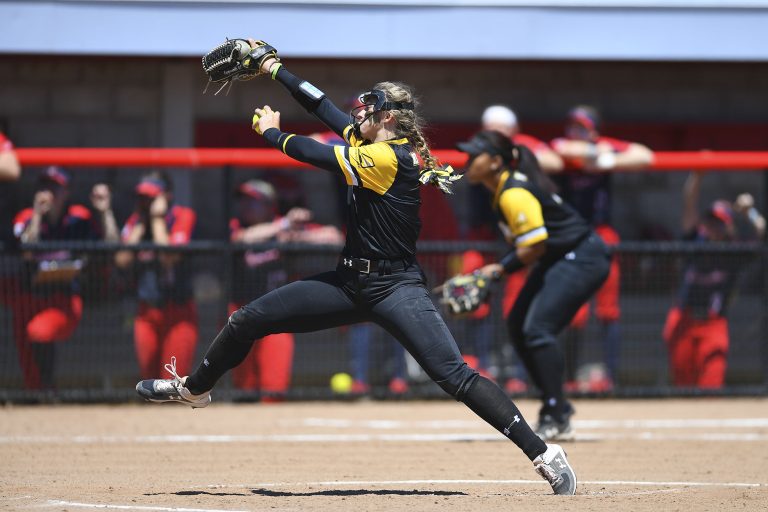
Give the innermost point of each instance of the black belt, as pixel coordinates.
(366, 266)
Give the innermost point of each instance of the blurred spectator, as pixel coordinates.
(10, 171)
(503, 119)
(166, 321)
(101, 203)
(267, 368)
(47, 306)
(589, 193)
(696, 330)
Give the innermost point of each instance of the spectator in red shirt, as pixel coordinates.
(589, 192)
(166, 321)
(502, 119)
(696, 330)
(267, 368)
(46, 305)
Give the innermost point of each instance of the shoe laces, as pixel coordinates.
(170, 384)
(171, 368)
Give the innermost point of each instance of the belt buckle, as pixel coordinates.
(351, 263)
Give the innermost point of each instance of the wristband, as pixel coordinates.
(275, 69)
(753, 215)
(511, 262)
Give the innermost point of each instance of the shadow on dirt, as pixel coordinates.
(334, 492)
(357, 492)
(197, 493)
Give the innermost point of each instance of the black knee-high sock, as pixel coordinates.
(549, 365)
(489, 402)
(224, 354)
(525, 357)
(572, 342)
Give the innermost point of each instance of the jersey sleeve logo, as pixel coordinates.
(361, 159)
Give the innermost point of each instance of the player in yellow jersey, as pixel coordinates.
(568, 264)
(377, 278)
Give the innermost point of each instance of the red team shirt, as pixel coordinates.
(180, 221)
(157, 285)
(589, 193)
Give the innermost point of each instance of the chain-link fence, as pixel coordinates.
(78, 320)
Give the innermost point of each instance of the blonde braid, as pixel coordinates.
(408, 125)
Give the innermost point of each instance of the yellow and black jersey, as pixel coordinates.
(383, 199)
(528, 215)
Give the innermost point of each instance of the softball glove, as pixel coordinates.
(235, 59)
(465, 293)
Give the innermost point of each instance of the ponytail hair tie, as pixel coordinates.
(441, 177)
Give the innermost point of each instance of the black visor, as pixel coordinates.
(378, 100)
(481, 143)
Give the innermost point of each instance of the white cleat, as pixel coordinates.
(171, 390)
(553, 466)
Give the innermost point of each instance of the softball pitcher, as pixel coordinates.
(377, 278)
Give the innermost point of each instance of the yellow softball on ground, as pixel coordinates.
(341, 383)
(255, 123)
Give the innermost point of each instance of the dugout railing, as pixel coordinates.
(98, 362)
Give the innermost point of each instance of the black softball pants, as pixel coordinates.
(396, 300)
(553, 293)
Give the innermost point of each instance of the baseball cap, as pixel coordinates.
(55, 175)
(721, 211)
(585, 116)
(499, 114)
(150, 187)
(257, 189)
(490, 142)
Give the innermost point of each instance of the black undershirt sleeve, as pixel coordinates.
(324, 110)
(304, 149)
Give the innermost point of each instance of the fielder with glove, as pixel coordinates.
(377, 278)
(465, 293)
(568, 264)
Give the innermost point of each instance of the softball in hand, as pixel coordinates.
(255, 123)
